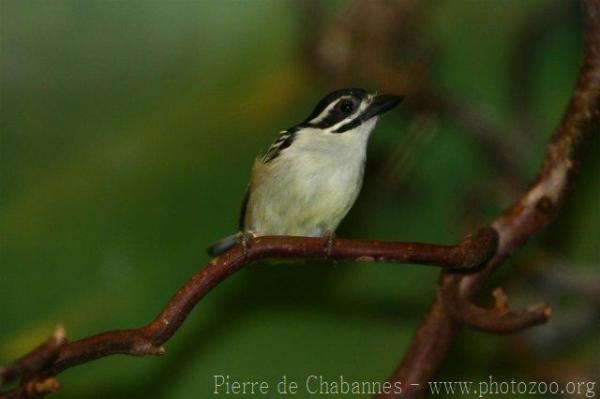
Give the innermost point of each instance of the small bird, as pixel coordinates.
(311, 175)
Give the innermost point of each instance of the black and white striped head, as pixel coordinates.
(341, 113)
(346, 109)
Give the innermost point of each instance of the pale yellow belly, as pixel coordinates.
(294, 204)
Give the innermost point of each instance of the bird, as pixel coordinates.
(310, 177)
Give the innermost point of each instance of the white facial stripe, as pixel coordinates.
(325, 112)
(363, 105)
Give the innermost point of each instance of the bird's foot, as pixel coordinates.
(330, 240)
(245, 239)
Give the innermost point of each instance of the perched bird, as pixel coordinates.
(310, 177)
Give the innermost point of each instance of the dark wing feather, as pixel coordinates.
(243, 210)
(284, 140)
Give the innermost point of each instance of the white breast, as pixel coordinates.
(309, 188)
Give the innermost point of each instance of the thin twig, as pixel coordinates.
(498, 320)
(39, 358)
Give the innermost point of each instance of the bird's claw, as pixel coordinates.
(330, 237)
(245, 240)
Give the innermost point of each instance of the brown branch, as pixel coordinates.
(33, 388)
(148, 340)
(37, 359)
(536, 208)
(498, 320)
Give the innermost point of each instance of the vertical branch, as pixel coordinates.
(536, 208)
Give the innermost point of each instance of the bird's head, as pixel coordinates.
(345, 113)
(345, 110)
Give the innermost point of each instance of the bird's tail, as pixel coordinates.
(223, 245)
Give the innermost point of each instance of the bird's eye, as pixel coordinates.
(346, 106)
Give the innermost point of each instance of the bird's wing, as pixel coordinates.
(283, 141)
(244, 209)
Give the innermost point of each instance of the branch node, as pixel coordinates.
(476, 250)
(44, 386)
(36, 360)
(500, 300)
(145, 347)
(545, 205)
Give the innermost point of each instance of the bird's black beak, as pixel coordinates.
(381, 103)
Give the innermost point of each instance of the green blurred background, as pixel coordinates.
(127, 131)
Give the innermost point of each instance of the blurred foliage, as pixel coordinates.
(127, 130)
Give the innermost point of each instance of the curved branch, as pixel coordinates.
(471, 252)
(499, 319)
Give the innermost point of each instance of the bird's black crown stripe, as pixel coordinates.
(355, 93)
